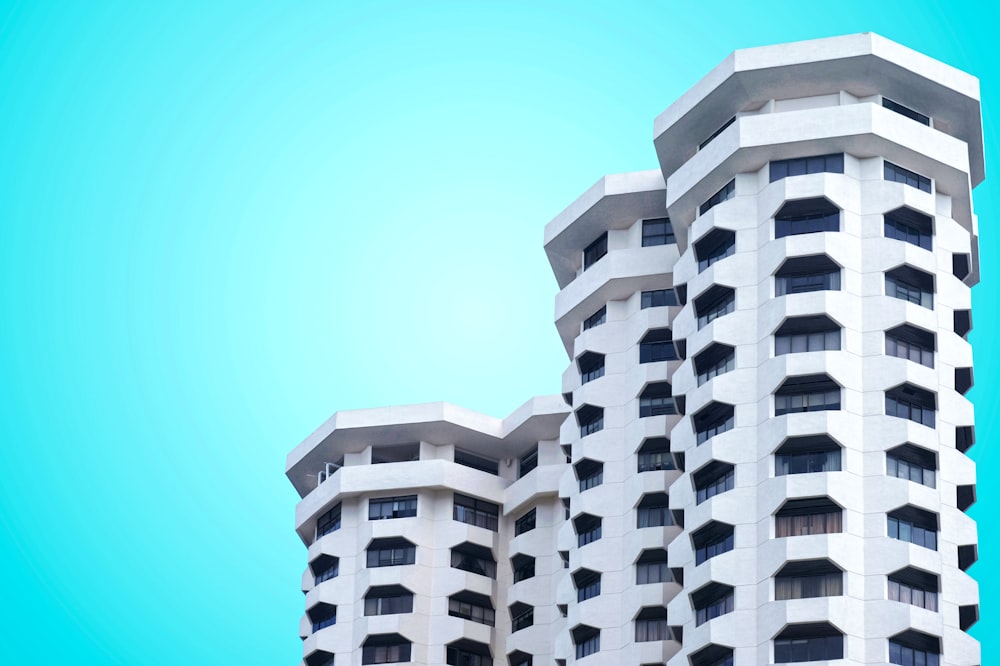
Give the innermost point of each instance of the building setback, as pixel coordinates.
(760, 453)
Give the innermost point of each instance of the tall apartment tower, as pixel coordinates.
(760, 453)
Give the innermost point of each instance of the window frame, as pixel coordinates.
(477, 512)
(596, 251)
(402, 506)
(661, 232)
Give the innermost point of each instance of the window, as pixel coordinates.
(713, 655)
(472, 511)
(711, 601)
(518, 658)
(804, 517)
(714, 419)
(919, 527)
(474, 461)
(588, 529)
(651, 625)
(385, 649)
(564, 556)
(464, 652)
(653, 510)
(474, 559)
(593, 252)
(915, 587)
(523, 567)
(392, 507)
(713, 539)
(587, 640)
(815, 641)
(913, 648)
(322, 615)
(590, 474)
(591, 366)
(713, 479)
(898, 174)
(320, 658)
(912, 463)
(801, 166)
(651, 567)
(807, 393)
(909, 284)
(717, 301)
(527, 462)
(590, 419)
(906, 111)
(714, 246)
(657, 232)
(656, 400)
(525, 523)
(395, 453)
(522, 616)
(806, 334)
(801, 275)
(714, 361)
(910, 402)
(965, 437)
(725, 194)
(657, 345)
(388, 600)
(472, 606)
(717, 132)
(806, 455)
(391, 552)
(806, 579)
(324, 568)
(658, 298)
(654, 454)
(806, 216)
(328, 522)
(908, 225)
(596, 319)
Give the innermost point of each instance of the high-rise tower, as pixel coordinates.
(761, 453)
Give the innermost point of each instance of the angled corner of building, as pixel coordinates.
(760, 453)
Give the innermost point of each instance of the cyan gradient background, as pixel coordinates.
(222, 221)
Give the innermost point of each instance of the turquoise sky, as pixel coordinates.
(222, 221)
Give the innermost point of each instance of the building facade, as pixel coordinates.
(760, 453)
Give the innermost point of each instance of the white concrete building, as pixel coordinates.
(760, 453)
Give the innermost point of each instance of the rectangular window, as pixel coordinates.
(392, 554)
(806, 587)
(588, 646)
(525, 523)
(328, 522)
(472, 511)
(906, 111)
(910, 656)
(806, 462)
(911, 594)
(713, 609)
(523, 567)
(593, 252)
(820, 648)
(588, 585)
(898, 287)
(457, 607)
(474, 461)
(807, 524)
(653, 629)
(899, 406)
(910, 226)
(652, 568)
(898, 174)
(654, 516)
(910, 470)
(588, 530)
(658, 298)
(905, 530)
(596, 319)
(801, 166)
(657, 232)
(804, 283)
(473, 562)
(657, 345)
(806, 394)
(654, 455)
(528, 462)
(656, 406)
(524, 619)
(806, 216)
(395, 603)
(392, 507)
(385, 654)
(911, 344)
(725, 194)
(793, 343)
(456, 656)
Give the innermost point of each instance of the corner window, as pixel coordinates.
(385, 649)
(588, 529)
(806, 216)
(715, 419)
(593, 252)
(587, 583)
(590, 419)
(711, 601)
(806, 334)
(717, 301)
(651, 625)
(656, 400)
(388, 600)
(815, 641)
(916, 526)
(725, 194)
(807, 393)
(657, 345)
(898, 174)
(910, 284)
(912, 463)
(806, 579)
(474, 559)
(472, 511)
(596, 319)
(591, 366)
(525, 523)
(804, 517)
(807, 455)
(658, 298)
(801, 166)
(800, 275)
(473, 607)
(713, 539)
(713, 479)
(915, 587)
(590, 474)
(392, 507)
(657, 232)
(909, 226)
(912, 403)
(714, 246)
(654, 455)
(717, 360)
(391, 552)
